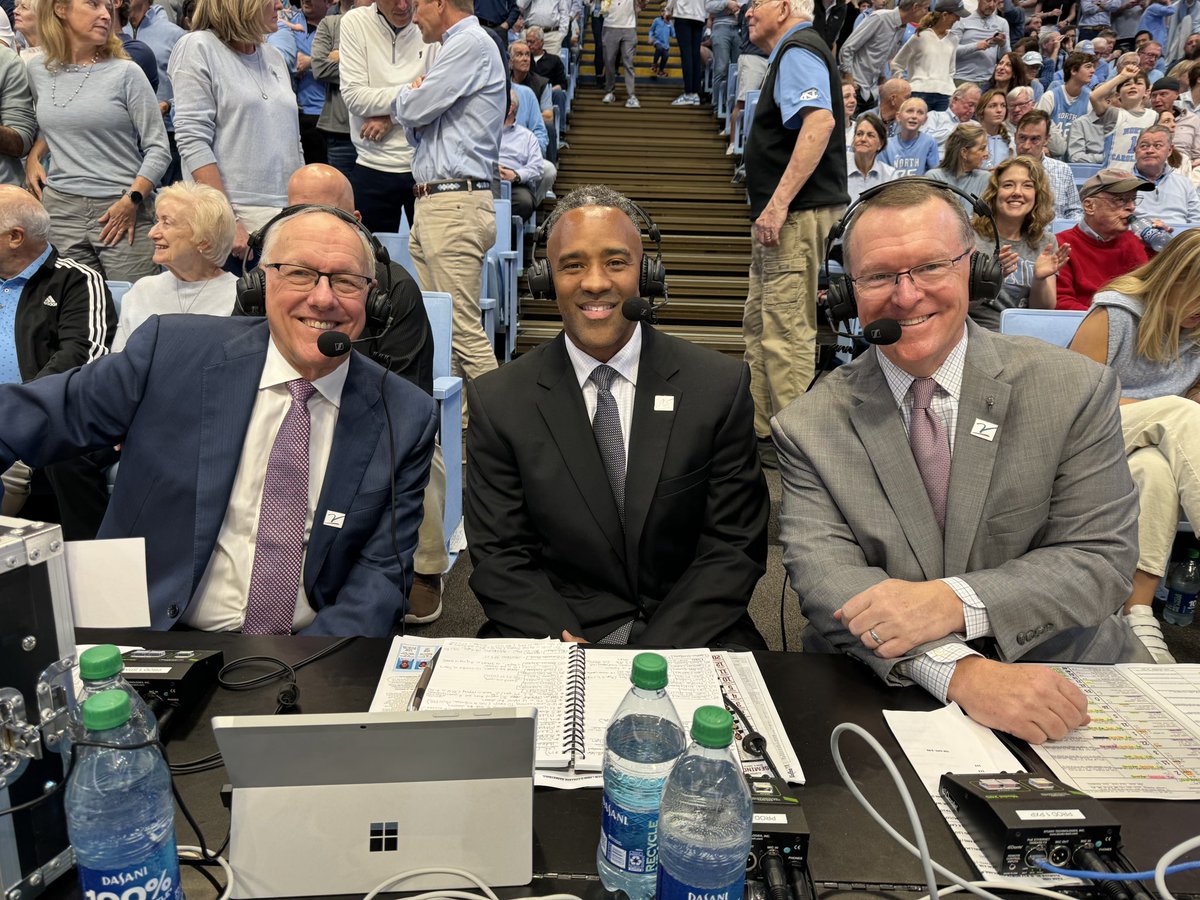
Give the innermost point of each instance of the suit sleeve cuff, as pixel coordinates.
(975, 614)
(933, 669)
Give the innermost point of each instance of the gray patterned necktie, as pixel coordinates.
(606, 424)
(930, 447)
(279, 550)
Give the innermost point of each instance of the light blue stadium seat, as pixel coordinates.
(742, 125)
(447, 391)
(1083, 171)
(731, 92)
(500, 269)
(1055, 326)
(505, 189)
(118, 289)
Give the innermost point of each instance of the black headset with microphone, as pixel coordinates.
(987, 275)
(251, 290)
(652, 282)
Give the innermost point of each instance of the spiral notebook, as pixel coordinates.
(576, 689)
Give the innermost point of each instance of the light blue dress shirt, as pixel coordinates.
(454, 119)
(10, 296)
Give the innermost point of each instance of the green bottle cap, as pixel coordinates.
(649, 672)
(105, 710)
(100, 662)
(1194, 554)
(712, 727)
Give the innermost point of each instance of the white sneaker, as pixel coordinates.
(693, 100)
(632, 103)
(1141, 619)
(682, 100)
(730, 150)
(609, 97)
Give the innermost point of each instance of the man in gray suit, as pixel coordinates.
(1020, 550)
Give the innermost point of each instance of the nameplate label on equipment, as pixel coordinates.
(147, 670)
(1052, 815)
(985, 430)
(770, 818)
(335, 519)
(664, 403)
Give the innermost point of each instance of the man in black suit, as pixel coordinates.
(657, 539)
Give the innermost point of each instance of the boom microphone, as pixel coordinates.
(881, 332)
(337, 343)
(638, 309)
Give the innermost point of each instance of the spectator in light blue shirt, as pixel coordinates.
(1154, 20)
(1095, 16)
(310, 93)
(152, 25)
(911, 151)
(453, 117)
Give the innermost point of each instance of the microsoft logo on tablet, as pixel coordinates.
(384, 837)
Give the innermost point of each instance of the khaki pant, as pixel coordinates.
(431, 557)
(553, 41)
(75, 232)
(1162, 439)
(450, 236)
(780, 319)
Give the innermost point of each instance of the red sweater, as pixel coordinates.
(1093, 264)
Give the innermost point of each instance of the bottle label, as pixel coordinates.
(629, 838)
(671, 888)
(154, 878)
(1181, 603)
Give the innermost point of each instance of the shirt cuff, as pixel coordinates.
(975, 614)
(933, 669)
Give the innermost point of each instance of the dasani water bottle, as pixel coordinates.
(644, 739)
(706, 816)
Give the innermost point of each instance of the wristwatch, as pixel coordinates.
(135, 196)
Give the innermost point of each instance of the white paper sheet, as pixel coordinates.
(108, 583)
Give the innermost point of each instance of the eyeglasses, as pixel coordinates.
(344, 284)
(756, 4)
(926, 276)
(1131, 199)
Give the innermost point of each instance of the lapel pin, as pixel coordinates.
(335, 519)
(985, 430)
(664, 403)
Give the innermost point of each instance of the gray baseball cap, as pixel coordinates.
(951, 6)
(1113, 181)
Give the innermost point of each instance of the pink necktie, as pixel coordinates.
(279, 551)
(930, 447)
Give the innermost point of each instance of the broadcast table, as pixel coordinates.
(849, 853)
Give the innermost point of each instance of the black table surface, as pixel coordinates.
(812, 692)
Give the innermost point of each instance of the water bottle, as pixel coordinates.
(100, 669)
(120, 815)
(1152, 236)
(705, 821)
(1181, 591)
(643, 740)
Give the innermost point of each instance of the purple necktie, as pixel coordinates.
(606, 424)
(930, 447)
(275, 578)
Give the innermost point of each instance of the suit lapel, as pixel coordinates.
(983, 400)
(879, 426)
(227, 393)
(561, 406)
(648, 435)
(355, 439)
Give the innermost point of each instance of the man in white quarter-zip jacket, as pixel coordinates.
(381, 50)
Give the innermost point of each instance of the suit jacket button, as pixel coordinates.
(173, 611)
(1021, 638)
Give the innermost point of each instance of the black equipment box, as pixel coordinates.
(37, 654)
(779, 824)
(1016, 817)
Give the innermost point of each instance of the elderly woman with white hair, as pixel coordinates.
(192, 235)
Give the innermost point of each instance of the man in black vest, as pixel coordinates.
(796, 177)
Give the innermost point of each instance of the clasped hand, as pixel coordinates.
(894, 616)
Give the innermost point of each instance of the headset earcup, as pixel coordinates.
(653, 282)
(987, 278)
(251, 294)
(379, 310)
(541, 283)
(839, 299)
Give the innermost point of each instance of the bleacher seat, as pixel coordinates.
(396, 244)
(1084, 171)
(118, 289)
(447, 391)
(1055, 326)
(501, 272)
(731, 92)
(742, 125)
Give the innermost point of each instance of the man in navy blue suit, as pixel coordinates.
(211, 413)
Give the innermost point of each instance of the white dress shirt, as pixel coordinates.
(623, 388)
(221, 597)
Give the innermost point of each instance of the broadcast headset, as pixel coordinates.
(987, 276)
(251, 290)
(651, 283)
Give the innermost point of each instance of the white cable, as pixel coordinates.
(189, 852)
(1160, 870)
(1005, 886)
(451, 894)
(922, 848)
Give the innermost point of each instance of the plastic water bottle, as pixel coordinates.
(100, 669)
(1182, 588)
(705, 821)
(1152, 236)
(120, 815)
(643, 740)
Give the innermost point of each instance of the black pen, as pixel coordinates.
(423, 684)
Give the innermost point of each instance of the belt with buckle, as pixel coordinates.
(447, 187)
